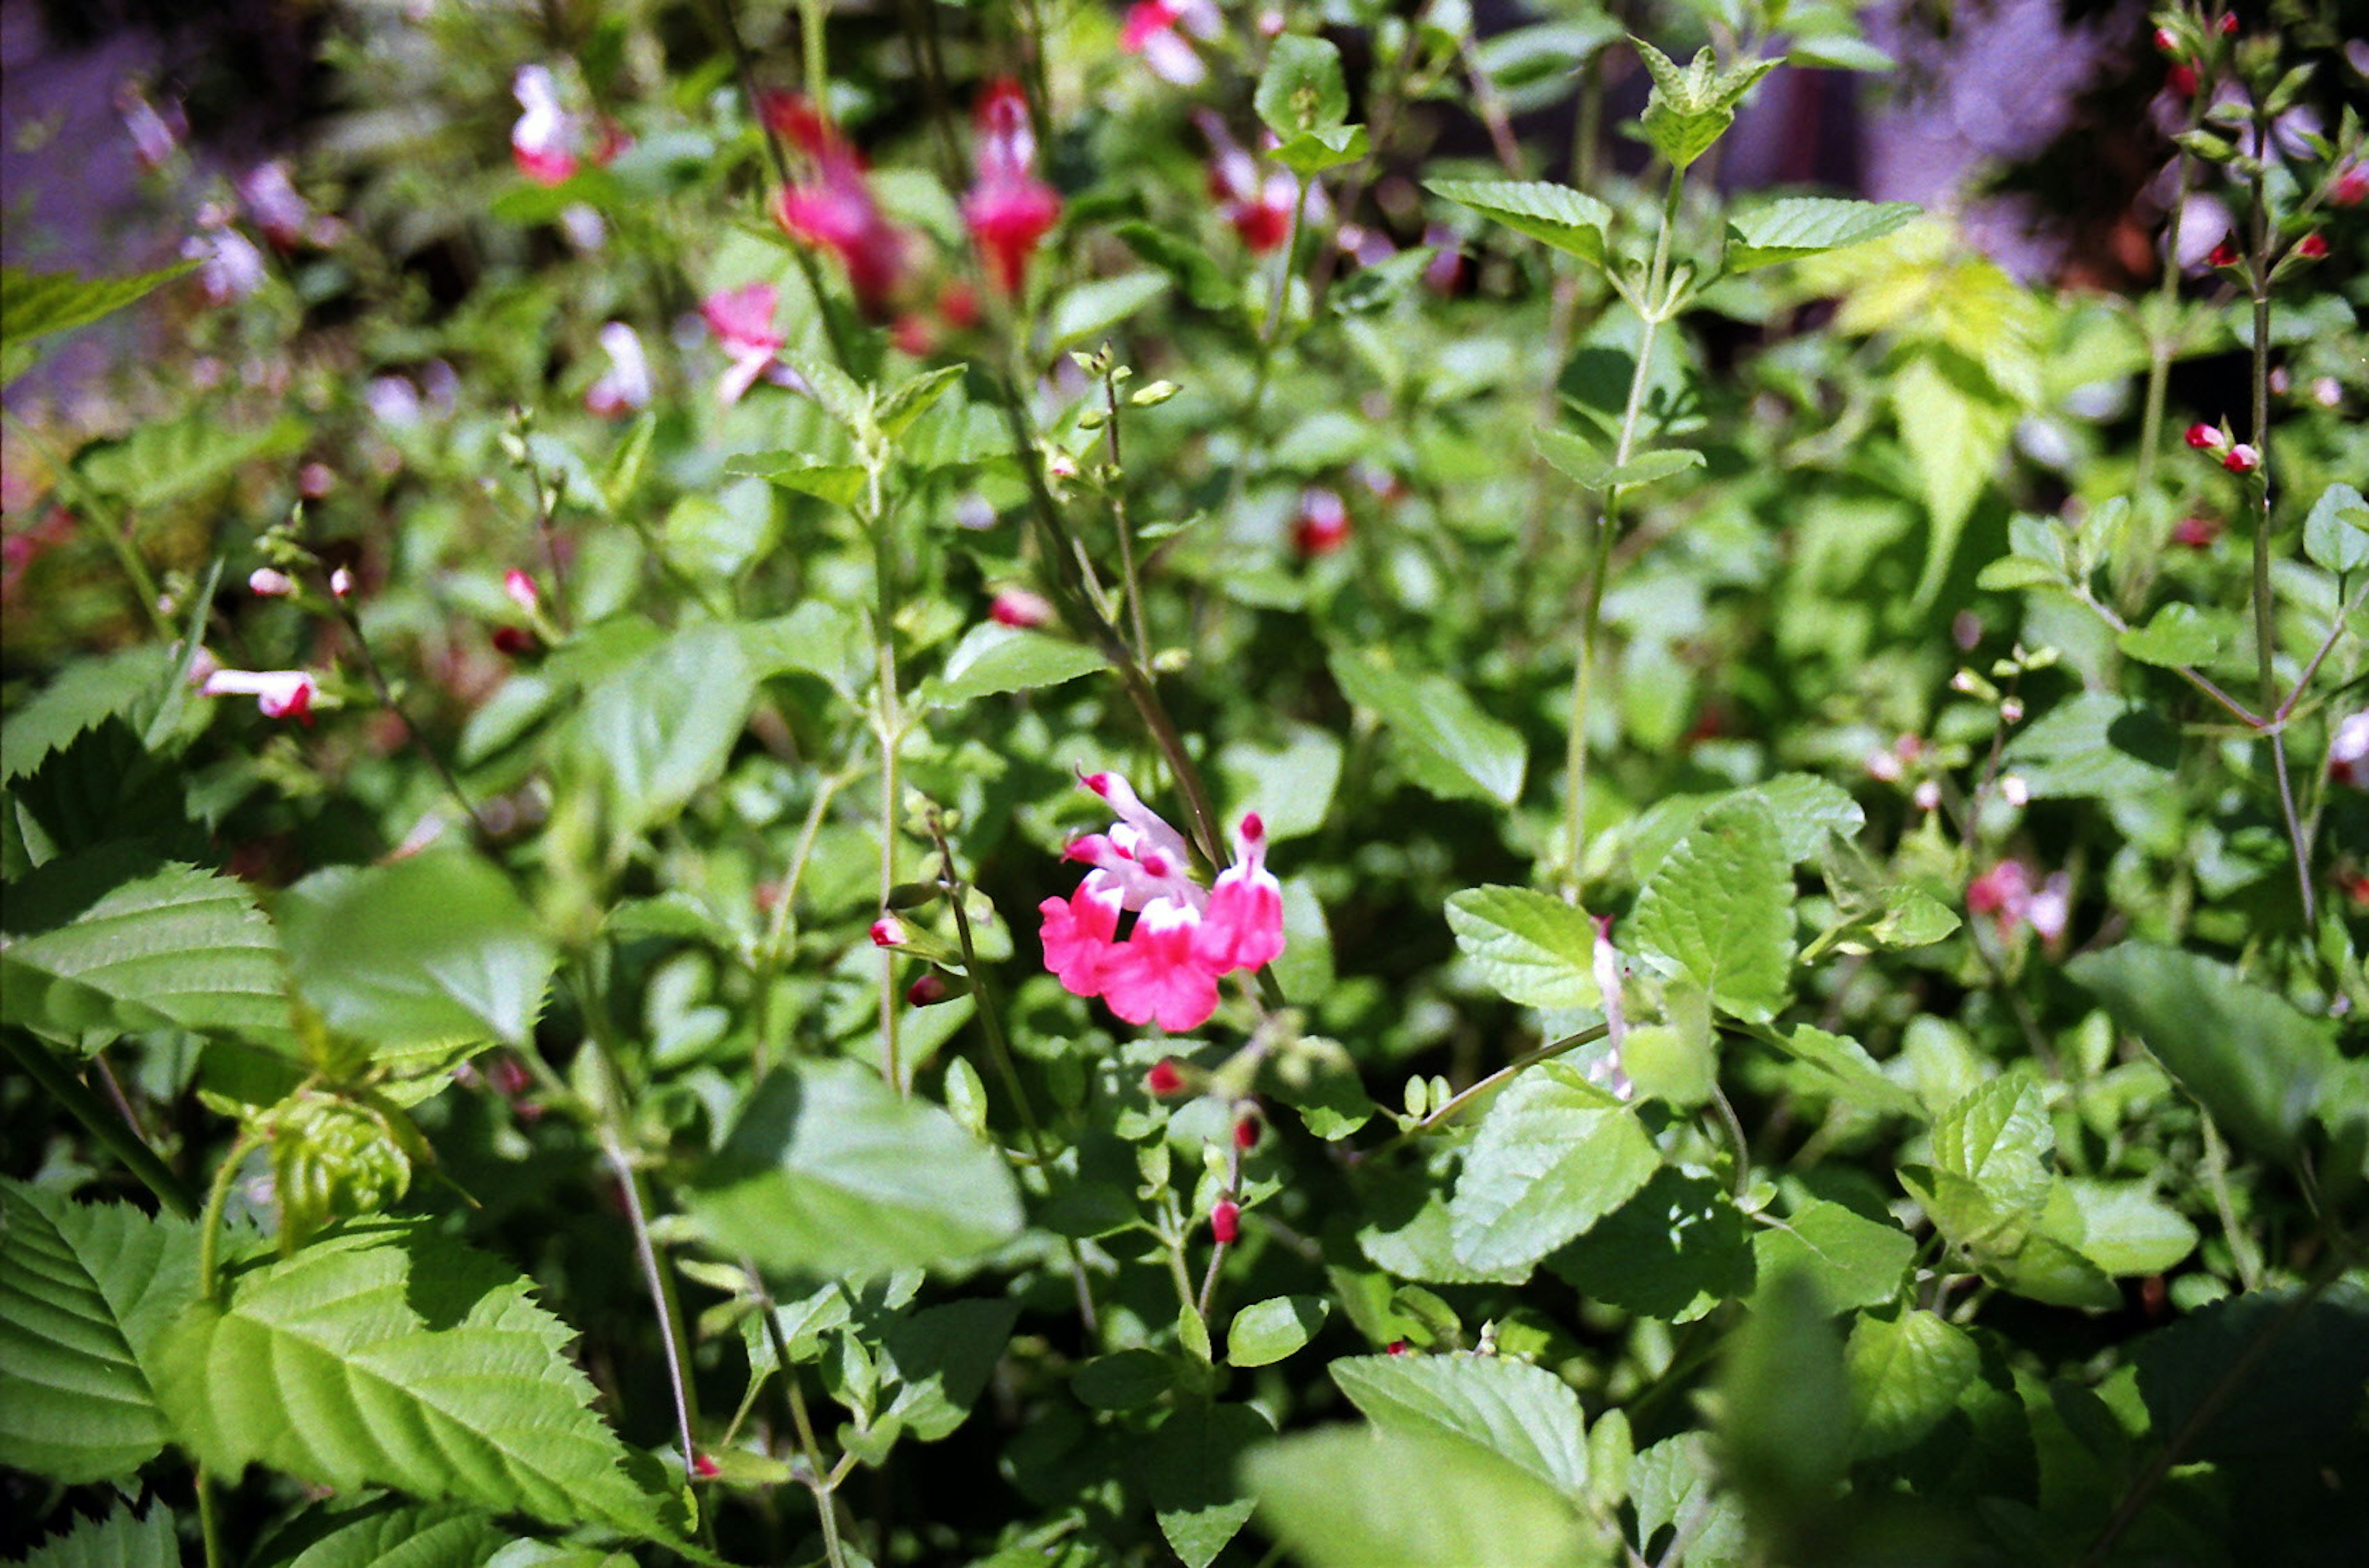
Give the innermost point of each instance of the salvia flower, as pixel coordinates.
(155, 136)
(542, 142)
(1163, 30)
(2204, 438)
(1184, 938)
(1009, 208)
(1020, 607)
(229, 266)
(1258, 208)
(625, 386)
(1322, 525)
(280, 693)
(830, 205)
(2348, 752)
(742, 320)
(286, 219)
(2241, 459)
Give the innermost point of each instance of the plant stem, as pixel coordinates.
(770, 956)
(632, 1187)
(210, 1222)
(890, 726)
(387, 697)
(1456, 1103)
(1118, 489)
(121, 1139)
(210, 1521)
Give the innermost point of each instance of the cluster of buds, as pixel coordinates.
(1185, 937)
(2236, 456)
(2193, 48)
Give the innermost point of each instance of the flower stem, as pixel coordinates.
(210, 1222)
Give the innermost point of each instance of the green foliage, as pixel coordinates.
(1553, 1155)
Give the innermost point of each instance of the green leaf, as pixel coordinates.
(830, 1173)
(1852, 1259)
(1673, 1251)
(1785, 1433)
(1574, 457)
(714, 538)
(1565, 219)
(992, 659)
(84, 1290)
(1447, 744)
(1193, 1462)
(1906, 1376)
(2336, 534)
(1310, 153)
(1841, 1070)
(1796, 226)
(105, 786)
(1955, 424)
(1290, 781)
(823, 478)
(1677, 1479)
(1091, 309)
(161, 461)
(432, 951)
(2119, 1225)
(383, 1355)
(661, 730)
(33, 304)
(122, 1539)
(1808, 810)
(1350, 1497)
(2097, 745)
(1265, 1332)
(914, 398)
(2300, 1398)
(1535, 949)
(1999, 1138)
(2247, 1054)
(2177, 634)
(384, 1531)
(1719, 909)
(1523, 1414)
(1204, 281)
(1553, 1155)
(1301, 88)
(171, 947)
(1913, 918)
(1125, 1380)
(87, 693)
(939, 1360)
(1653, 466)
(2045, 1269)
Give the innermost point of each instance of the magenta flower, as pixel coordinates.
(1009, 208)
(1184, 938)
(1258, 208)
(830, 207)
(543, 140)
(742, 320)
(280, 693)
(1157, 29)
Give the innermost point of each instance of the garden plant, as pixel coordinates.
(1061, 784)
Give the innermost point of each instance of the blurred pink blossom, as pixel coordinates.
(1009, 208)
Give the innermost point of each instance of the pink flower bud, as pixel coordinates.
(888, 931)
(1323, 524)
(1226, 1220)
(1928, 795)
(2242, 459)
(2222, 255)
(2166, 42)
(2196, 532)
(1246, 1132)
(927, 991)
(315, 480)
(513, 640)
(2182, 79)
(705, 1468)
(1020, 607)
(521, 589)
(1163, 1080)
(2204, 438)
(342, 582)
(267, 583)
(2014, 791)
(2350, 188)
(2311, 247)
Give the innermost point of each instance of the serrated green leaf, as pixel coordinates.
(1719, 909)
(428, 952)
(1535, 949)
(1673, 1250)
(104, 785)
(2094, 744)
(1310, 153)
(1852, 1259)
(1913, 918)
(2253, 1060)
(2177, 634)
(1265, 1332)
(87, 693)
(836, 482)
(1906, 1376)
(1807, 809)
(1194, 1461)
(1574, 457)
(661, 730)
(992, 659)
(1523, 1414)
(1676, 1479)
(1955, 424)
(2119, 1225)
(1565, 219)
(2336, 533)
(2045, 1269)
(167, 947)
(938, 1361)
(383, 1355)
(1553, 1155)
(830, 1173)
(84, 1290)
(1091, 309)
(122, 1539)
(914, 398)
(1352, 1497)
(1301, 88)
(163, 461)
(1446, 743)
(386, 1531)
(35, 303)
(1841, 1070)
(1796, 226)
(1998, 1138)
(1408, 1235)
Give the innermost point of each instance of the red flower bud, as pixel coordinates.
(1163, 1080)
(2352, 186)
(2242, 459)
(2229, 25)
(2223, 255)
(1397, 1347)
(2182, 79)
(927, 991)
(2166, 42)
(1246, 1132)
(514, 641)
(2204, 438)
(887, 932)
(2311, 247)
(1226, 1220)
(2196, 532)
(705, 1467)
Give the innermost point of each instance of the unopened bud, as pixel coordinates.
(2011, 709)
(2203, 437)
(1246, 1132)
(1226, 1220)
(521, 589)
(927, 991)
(2242, 459)
(342, 582)
(888, 931)
(2311, 247)
(1928, 795)
(2013, 790)
(1163, 1080)
(270, 583)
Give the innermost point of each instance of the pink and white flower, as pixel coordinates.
(1184, 938)
(229, 266)
(2348, 752)
(1009, 208)
(1258, 206)
(626, 385)
(286, 219)
(829, 204)
(1163, 30)
(543, 140)
(742, 320)
(280, 693)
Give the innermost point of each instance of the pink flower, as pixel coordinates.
(1009, 209)
(2348, 752)
(1259, 209)
(887, 932)
(1020, 607)
(1184, 938)
(1155, 29)
(1323, 525)
(626, 385)
(742, 320)
(829, 206)
(543, 140)
(286, 219)
(520, 589)
(2352, 186)
(280, 693)
(229, 267)
(2242, 459)
(2204, 438)
(2005, 893)
(155, 137)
